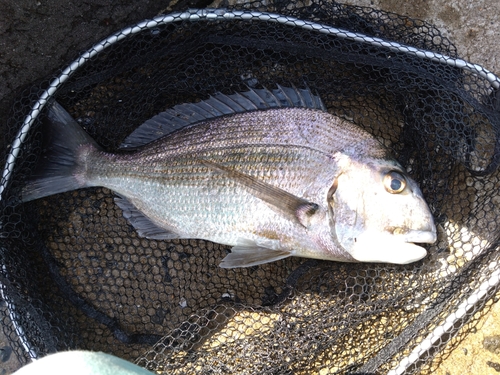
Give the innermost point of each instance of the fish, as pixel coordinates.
(270, 173)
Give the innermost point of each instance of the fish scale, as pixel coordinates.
(287, 126)
(267, 163)
(290, 180)
(222, 199)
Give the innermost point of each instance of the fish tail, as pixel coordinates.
(62, 165)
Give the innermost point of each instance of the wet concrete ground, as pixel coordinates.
(38, 37)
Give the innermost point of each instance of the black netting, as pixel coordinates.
(75, 274)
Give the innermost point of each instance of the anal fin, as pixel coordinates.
(142, 224)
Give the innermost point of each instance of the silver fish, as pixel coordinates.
(270, 173)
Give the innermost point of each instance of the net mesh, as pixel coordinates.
(75, 274)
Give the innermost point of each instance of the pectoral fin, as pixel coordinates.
(291, 206)
(247, 256)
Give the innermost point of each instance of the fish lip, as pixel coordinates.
(420, 236)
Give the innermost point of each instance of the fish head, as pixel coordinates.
(378, 213)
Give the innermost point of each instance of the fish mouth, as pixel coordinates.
(420, 236)
(397, 247)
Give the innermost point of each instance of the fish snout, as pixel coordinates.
(420, 227)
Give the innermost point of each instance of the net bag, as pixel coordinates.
(75, 275)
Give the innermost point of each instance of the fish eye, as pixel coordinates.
(394, 182)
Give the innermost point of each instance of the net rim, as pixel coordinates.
(223, 14)
(212, 14)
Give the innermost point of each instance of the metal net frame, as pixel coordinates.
(75, 275)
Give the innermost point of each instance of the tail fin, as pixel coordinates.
(59, 169)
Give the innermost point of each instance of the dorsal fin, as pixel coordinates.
(218, 105)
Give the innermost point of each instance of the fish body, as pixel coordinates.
(289, 180)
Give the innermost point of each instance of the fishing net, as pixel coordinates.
(75, 275)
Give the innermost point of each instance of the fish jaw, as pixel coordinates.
(421, 236)
(389, 248)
